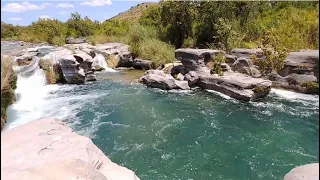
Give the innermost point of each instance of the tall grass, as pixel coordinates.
(7, 74)
(145, 43)
(8, 84)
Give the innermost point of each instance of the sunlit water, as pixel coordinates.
(187, 135)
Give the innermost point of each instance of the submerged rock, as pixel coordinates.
(304, 172)
(48, 149)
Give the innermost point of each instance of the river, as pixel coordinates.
(185, 135)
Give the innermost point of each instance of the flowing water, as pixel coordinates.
(185, 135)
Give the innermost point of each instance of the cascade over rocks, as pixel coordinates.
(53, 151)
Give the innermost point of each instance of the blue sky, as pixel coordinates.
(19, 12)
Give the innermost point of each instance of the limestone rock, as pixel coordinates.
(71, 40)
(48, 147)
(302, 62)
(158, 79)
(236, 85)
(240, 52)
(180, 77)
(86, 62)
(305, 172)
(192, 78)
(57, 170)
(192, 59)
(71, 69)
(142, 64)
(225, 67)
(182, 85)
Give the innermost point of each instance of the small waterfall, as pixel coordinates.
(100, 61)
(31, 91)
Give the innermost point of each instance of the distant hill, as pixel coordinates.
(134, 13)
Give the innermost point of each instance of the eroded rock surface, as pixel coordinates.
(304, 172)
(49, 149)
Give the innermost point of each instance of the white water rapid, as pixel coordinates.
(100, 61)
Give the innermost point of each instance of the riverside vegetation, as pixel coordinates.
(157, 29)
(8, 85)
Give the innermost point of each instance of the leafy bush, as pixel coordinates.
(157, 51)
(312, 87)
(274, 54)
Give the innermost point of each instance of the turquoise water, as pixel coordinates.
(185, 135)
(194, 135)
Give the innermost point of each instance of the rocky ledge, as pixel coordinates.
(40, 149)
(194, 71)
(305, 172)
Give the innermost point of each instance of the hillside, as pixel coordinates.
(134, 13)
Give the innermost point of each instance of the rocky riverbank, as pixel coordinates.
(49, 148)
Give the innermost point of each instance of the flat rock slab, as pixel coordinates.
(46, 141)
(305, 172)
(236, 85)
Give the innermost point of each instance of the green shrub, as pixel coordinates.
(312, 87)
(274, 54)
(157, 51)
(216, 69)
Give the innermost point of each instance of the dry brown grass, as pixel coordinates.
(101, 39)
(113, 61)
(6, 73)
(47, 67)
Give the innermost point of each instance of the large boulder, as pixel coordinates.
(193, 59)
(302, 83)
(236, 85)
(245, 65)
(240, 52)
(304, 172)
(158, 79)
(192, 78)
(86, 62)
(71, 70)
(173, 68)
(71, 40)
(49, 149)
(303, 62)
(142, 64)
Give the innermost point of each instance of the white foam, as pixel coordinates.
(294, 95)
(100, 61)
(219, 94)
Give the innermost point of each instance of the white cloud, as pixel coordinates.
(96, 3)
(45, 17)
(23, 7)
(64, 5)
(15, 19)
